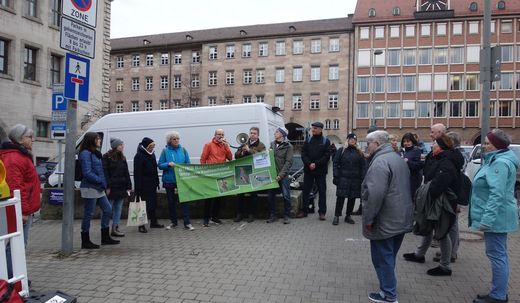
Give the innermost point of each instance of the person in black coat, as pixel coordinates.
(119, 184)
(412, 155)
(146, 180)
(349, 167)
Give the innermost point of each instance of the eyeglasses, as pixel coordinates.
(176, 139)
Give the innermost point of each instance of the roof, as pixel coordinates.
(460, 8)
(248, 32)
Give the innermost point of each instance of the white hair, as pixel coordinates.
(171, 135)
(439, 126)
(379, 136)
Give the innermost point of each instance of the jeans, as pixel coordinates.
(339, 206)
(445, 246)
(496, 251)
(211, 208)
(286, 194)
(454, 237)
(173, 199)
(383, 258)
(247, 207)
(90, 207)
(117, 206)
(321, 182)
(26, 228)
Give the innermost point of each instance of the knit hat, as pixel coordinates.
(115, 142)
(317, 124)
(444, 142)
(283, 131)
(146, 141)
(352, 136)
(496, 141)
(17, 132)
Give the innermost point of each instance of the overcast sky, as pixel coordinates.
(138, 17)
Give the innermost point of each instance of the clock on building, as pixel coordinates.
(432, 5)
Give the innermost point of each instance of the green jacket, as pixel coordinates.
(283, 155)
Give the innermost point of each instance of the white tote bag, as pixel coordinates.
(137, 213)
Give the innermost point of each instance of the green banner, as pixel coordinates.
(201, 181)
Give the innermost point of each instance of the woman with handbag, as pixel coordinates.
(93, 186)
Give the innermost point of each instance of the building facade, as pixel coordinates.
(417, 64)
(31, 61)
(303, 68)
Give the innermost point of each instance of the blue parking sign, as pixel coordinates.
(77, 74)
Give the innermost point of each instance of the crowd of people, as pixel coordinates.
(399, 191)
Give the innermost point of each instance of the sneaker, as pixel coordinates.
(189, 227)
(439, 271)
(412, 257)
(381, 298)
(335, 221)
(322, 217)
(488, 299)
(215, 221)
(272, 219)
(171, 225)
(286, 220)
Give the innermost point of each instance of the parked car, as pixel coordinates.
(296, 179)
(45, 169)
(466, 151)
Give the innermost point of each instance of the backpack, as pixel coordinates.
(8, 293)
(464, 192)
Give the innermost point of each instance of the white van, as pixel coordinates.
(195, 125)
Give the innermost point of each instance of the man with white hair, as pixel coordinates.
(387, 211)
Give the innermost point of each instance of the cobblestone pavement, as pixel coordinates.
(305, 261)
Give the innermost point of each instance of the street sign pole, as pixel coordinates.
(60, 158)
(485, 61)
(68, 186)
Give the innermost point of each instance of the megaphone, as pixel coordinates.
(5, 193)
(242, 138)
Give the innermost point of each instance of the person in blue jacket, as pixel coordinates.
(493, 209)
(174, 153)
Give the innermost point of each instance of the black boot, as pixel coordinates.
(142, 229)
(85, 241)
(105, 237)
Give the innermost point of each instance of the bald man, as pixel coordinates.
(437, 130)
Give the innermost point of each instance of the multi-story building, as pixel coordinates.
(301, 67)
(417, 63)
(31, 61)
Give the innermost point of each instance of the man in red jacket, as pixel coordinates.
(21, 174)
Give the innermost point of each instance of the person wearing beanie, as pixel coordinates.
(442, 171)
(146, 180)
(119, 184)
(494, 210)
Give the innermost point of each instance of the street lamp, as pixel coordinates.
(372, 122)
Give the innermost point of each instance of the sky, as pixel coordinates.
(138, 17)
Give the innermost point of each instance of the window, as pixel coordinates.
(335, 124)
(246, 99)
(135, 83)
(165, 58)
(493, 26)
(362, 110)
(455, 108)
(379, 60)
(441, 29)
(392, 110)
(246, 50)
(473, 27)
(177, 103)
(230, 77)
(394, 57)
(456, 82)
(195, 103)
(506, 81)
(263, 49)
(42, 128)
(297, 47)
(120, 62)
(379, 32)
(457, 55)
(149, 83)
(441, 55)
(507, 53)
(119, 107)
(260, 76)
(394, 31)
(362, 86)
(425, 29)
(409, 83)
(135, 60)
(164, 82)
(248, 77)
(315, 46)
(473, 6)
(147, 105)
(212, 101)
(410, 30)
(228, 100)
(379, 110)
(195, 80)
(327, 124)
(279, 75)
(394, 84)
(472, 82)
(315, 73)
(32, 8)
(364, 33)
(135, 106)
(177, 81)
(149, 59)
(280, 48)
(230, 51)
(473, 54)
(504, 109)
(492, 109)
(334, 45)
(333, 101)
(378, 84)
(440, 82)
(55, 12)
(333, 72)
(396, 11)
(408, 56)
(506, 26)
(5, 3)
(425, 82)
(315, 102)
(425, 56)
(517, 80)
(364, 58)
(297, 74)
(518, 53)
(408, 109)
(213, 53)
(423, 109)
(457, 29)
(177, 59)
(212, 78)
(279, 101)
(372, 12)
(55, 75)
(439, 109)
(472, 108)
(297, 102)
(517, 108)
(260, 98)
(29, 71)
(195, 57)
(119, 85)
